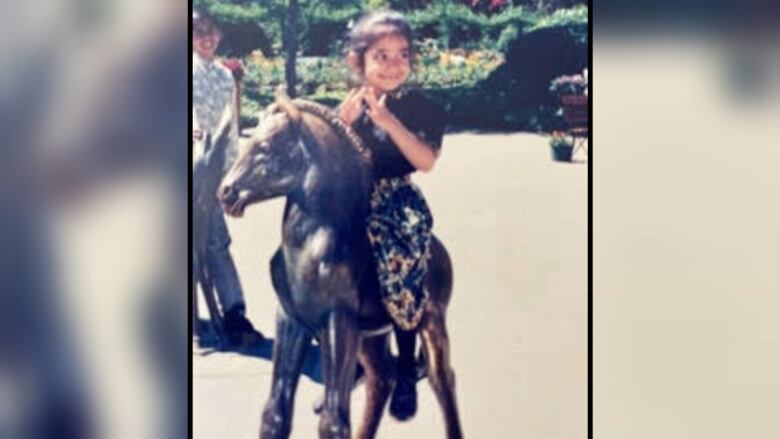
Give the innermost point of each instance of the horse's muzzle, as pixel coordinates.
(226, 194)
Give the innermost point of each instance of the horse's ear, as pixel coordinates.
(286, 104)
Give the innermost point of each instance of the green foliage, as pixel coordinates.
(563, 17)
(452, 68)
(456, 25)
(407, 5)
(516, 94)
(246, 25)
(378, 4)
(574, 19)
(507, 35)
(559, 140)
(324, 27)
(549, 5)
(250, 25)
(489, 71)
(322, 79)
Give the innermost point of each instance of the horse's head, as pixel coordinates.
(272, 163)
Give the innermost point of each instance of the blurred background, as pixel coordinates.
(686, 236)
(93, 323)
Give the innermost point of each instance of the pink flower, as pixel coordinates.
(235, 67)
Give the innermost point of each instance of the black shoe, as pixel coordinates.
(239, 329)
(404, 403)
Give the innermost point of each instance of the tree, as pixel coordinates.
(290, 32)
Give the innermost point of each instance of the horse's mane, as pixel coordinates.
(332, 119)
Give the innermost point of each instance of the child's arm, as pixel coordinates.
(420, 154)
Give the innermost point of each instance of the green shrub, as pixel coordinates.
(516, 94)
(575, 20)
(456, 25)
(487, 71)
(246, 26)
(251, 25)
(324, 28)
(452, 68)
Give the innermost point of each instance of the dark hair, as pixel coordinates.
(373, 26)
(200, 16)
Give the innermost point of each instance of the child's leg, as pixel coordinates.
(407, 364)
(404, 402)
(399, 230)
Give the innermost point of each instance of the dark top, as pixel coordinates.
(421, 116)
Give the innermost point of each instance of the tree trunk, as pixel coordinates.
(291, 31)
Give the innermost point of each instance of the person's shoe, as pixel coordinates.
(239, 329)
(403, 405)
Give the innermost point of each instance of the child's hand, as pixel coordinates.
(378, 111)
(352, 106)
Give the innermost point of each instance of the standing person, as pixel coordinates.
(237, 70)
(404, 131)
(213, 89)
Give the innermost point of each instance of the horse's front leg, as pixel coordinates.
(292, 342)
(339, 345)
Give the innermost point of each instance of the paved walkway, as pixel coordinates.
(515, 223)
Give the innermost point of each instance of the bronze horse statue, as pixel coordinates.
(324, 273)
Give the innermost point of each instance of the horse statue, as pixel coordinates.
(324, 272)
(208, 165)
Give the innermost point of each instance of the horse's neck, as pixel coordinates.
(338, 165)
(336, 186)
(302, 219)
(333, 196)
(336, 126)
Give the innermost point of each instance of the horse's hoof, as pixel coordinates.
(273, 426)
(403, 406)
(334, 427)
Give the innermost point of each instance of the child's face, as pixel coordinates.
(205, 39)
(387, 63)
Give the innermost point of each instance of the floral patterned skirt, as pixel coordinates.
(399, 229)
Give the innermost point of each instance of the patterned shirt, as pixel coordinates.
(213, 93)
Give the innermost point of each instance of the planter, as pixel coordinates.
(562, 153)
